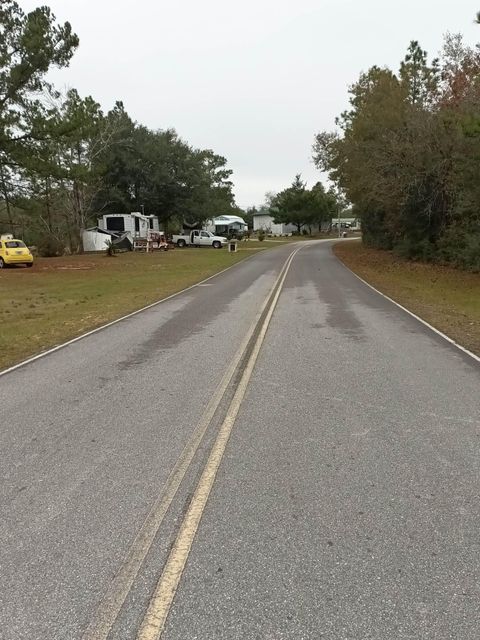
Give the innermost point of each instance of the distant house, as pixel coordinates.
(265, 221)
(347, 223)
(134, 223)
(225, 225)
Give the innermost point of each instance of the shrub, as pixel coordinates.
(461, 247)
(50, 247)
(111, 249)
(415, 249)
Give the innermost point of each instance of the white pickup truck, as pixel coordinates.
(200, 239)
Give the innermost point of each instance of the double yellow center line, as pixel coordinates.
(159, 607)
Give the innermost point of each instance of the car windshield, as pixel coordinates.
(14, 244)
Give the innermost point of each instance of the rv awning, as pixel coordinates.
(142, 216)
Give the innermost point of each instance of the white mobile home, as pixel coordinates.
(225, 225)
(265, 221)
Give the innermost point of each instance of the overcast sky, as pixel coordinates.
(253, 80)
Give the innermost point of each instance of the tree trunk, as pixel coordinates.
(78, 216)
(47, 205)
(79, 202)
(7, 200)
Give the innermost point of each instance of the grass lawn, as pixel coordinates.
(60, 298)
(447, 298)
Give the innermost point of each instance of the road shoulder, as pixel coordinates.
(446, 298)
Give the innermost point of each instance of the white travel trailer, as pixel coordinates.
(137, 224)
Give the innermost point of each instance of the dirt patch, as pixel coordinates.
(71, 267)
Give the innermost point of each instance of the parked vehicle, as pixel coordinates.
(13, 251)
(198, 238)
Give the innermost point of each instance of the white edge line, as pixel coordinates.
(413, 315)
(117, 320)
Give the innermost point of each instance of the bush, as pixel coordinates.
(261, 235)
(415, 249)
(111, 249)
(235, 235)
(461, 247)
(50, 247)
(375, 231)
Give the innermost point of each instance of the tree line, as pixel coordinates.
(406, 154)
(63, 160)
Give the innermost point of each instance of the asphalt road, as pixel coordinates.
(346, 502)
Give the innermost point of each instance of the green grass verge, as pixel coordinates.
(60, 298)
(447, 298)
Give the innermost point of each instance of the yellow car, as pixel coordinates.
(14, 251)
